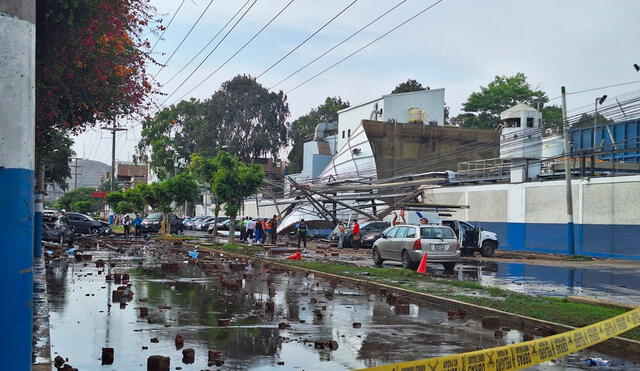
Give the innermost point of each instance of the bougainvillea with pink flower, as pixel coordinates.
(91, 60)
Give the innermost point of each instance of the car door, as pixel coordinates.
(384, 244)
(399, 242)
(78, 223)
(470, 234)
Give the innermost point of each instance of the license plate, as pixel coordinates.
(438, 247)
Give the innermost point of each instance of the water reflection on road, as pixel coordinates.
(186, 301)
(612, 284)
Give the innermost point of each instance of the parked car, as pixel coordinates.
(203, 224)
(192, 225)
(473, 238)
(369, 233)
(408, 243)
(151, 224)
(193, 221)
(85, 224)
(224, 226)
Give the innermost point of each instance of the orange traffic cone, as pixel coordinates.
(296, 256)
(422, 268)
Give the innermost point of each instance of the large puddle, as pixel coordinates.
(318, 319)
(617, 285)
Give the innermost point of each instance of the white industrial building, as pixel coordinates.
(348, 153)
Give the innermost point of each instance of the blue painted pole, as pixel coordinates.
(17, 135)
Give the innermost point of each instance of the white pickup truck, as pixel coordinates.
(473, 238)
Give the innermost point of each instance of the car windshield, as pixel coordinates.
(436, 232)
(153, 216)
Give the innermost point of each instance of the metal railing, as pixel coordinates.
(487, 169)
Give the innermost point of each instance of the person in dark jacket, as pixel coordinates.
(302, 230)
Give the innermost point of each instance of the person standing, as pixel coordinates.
(342, 229)
(274, 230)
(243, 228)
(65, 228)
(302, 229)
(266, 224)
(259, 231)
(251, 224)
(137, 223)
(355, 235)
(126, 223)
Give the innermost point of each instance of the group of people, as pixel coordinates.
(258, 230)
(355, 234)
(127, 223)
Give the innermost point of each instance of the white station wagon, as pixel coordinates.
(408, 243)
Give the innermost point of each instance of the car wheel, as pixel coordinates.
(93, 230)
(488, 249)
(448, 266)
(377, 258)
(406, 262)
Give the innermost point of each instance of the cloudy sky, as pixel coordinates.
(458, 45)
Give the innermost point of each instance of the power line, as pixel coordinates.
(307, 39)
(165, 29)
(209, 43)
(598, 88)
(337, 45)
(239, 50)
(365, 46)
(183, 39)
(211, 52)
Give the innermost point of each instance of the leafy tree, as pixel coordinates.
(132, 197)
(183, 188)
(242, 116)
(408, 86)
(83, 207)
(56, 162)
(159, 197)
(502, 93)
(303, 127)
(90, 68)
(232, 182)
(135, 197)
(80, 200)
(551, 117)
(586, 120)
(203, 169)
(114, 197)
(124, 207)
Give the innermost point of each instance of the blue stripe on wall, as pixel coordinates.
(16, 285)
(597, 240)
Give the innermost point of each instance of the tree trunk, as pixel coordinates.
(232, 229)
(216, 211)
(166, 225)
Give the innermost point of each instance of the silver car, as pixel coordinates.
(407, 244)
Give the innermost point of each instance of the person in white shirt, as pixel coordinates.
(251, 226)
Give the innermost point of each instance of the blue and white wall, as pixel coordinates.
(17, 112)
(532, 216)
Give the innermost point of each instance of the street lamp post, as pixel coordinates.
(599, 100)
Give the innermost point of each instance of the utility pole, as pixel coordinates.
(567, 175)
(75, 172)
(17, 163)
(113, 129)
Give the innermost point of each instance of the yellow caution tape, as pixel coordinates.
(521, 355)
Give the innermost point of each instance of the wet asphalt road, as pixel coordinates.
(188, 302)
